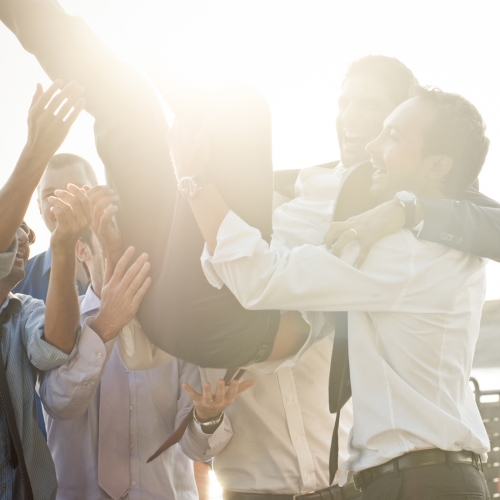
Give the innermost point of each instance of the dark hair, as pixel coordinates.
(63, 160)
(389, 71)
(457, 130)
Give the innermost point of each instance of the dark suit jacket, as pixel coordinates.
(470, 224)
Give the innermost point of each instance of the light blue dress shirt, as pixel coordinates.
(24, 353)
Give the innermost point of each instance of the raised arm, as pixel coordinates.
(67, 391)
(62, 312)
(46, 132)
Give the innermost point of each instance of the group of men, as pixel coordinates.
(379, 255)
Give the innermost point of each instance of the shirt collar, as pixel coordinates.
(13, 303)
(47, 261)
(90, 302)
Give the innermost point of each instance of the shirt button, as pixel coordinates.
(4, 486)
(130, 408)
(133, 483)
(299, 438)
(444, 236)
(459, 240)
(290, 399)
(99, 354)
(308, 476)
(127, 370)
(131, 445)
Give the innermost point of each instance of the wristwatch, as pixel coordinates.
(190, 185)
(409, 202)
(215, 421)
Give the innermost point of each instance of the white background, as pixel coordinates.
(295, 51)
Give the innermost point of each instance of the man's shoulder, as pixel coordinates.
(284, 180)
(35, 281)
(36, 261)
(29, 303)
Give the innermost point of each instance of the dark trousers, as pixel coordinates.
(433, 482)
(181, 313)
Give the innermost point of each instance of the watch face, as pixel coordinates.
(405, 196)
(188, 187)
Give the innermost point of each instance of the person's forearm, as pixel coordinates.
(209, 209)
(67, 391)
(62, 313)
(292, 335)
(471, 225)
(16, 194)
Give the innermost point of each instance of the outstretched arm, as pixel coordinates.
(46, 132)
(471, 225)
(62, 312)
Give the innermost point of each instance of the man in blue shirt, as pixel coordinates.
(62, 169)
(35, 337)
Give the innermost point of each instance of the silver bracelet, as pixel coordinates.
(210, 423)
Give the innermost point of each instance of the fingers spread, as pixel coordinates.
(207, 393)
(58, 99)
(44, 99)
(121, 266)
(194, 395)
(246, 384)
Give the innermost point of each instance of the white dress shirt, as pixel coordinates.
(414, 318)
(70, 395)
(282, 428)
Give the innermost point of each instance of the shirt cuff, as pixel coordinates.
(235, 239)
(91, 347)
(321, 325)
(216, 438)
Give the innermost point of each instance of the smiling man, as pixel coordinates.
(414, 306)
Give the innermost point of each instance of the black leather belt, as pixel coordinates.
(413, 459)
(347, 492)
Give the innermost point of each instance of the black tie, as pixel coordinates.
(339, 384)
(17, 455)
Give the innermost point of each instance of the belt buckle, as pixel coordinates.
(358, 481)
(303, 495)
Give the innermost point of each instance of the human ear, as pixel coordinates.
(83, 253)
(438, 166)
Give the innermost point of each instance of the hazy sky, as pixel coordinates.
(295, 51)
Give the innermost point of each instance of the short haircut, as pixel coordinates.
(63, 160)
(456, 130)
(389, 71)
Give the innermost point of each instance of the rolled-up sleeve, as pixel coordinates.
(202, 447)
(67, 391)
(7, 259)
(42, 355)
(321, 325)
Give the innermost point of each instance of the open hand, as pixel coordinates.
(71, 210)
(122, 293)
(104, 206)
(209, 406)
(50, 117)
